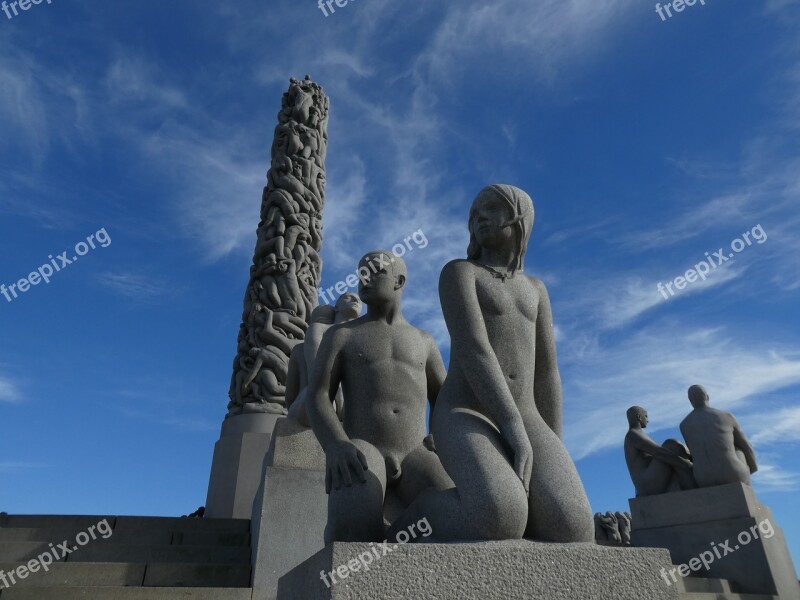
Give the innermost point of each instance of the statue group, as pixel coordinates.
(495, 466)
(716, 451)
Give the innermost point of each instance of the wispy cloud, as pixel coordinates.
(132, 285)
(9, 391)
(653, 368)
(770, 478)
(634, 296)
(775, 426)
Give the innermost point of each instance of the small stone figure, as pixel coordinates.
(388, 370)
(655, 469)
(613, 528)
(348, 307)
(606, 528)
(624, 525)
(497, 422)
(720, 450)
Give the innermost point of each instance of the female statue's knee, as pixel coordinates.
(503, 516)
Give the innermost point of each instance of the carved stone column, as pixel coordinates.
(286, 269)
(280, 295)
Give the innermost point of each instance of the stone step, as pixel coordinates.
(133, 574)
(131, 537)
(126, 593)
(704, 585)
(84, 522)
(16, 552)
(77, 574)
(712, 596)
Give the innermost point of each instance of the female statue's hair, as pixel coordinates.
(521, 207)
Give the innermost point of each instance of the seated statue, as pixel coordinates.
(655, 469)
(720, 450)
(497, 421)
(301, 361)
(388, 370)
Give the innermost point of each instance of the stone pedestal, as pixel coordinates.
(291, 509)
(518, 570)
(238, 464)
(727, 526)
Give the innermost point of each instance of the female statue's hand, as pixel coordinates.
(520, 444)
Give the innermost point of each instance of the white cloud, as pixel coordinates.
(770, 478)
(8, 390)
(136, 286)
(131, 79)
(653, 368)
(775, 426)
(632, 297)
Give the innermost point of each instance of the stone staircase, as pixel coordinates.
(147, 558)
(697, 588)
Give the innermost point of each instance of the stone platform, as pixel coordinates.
(132, 558)
(291, 508)
(711, 521)
(518, 570)
(237, 465)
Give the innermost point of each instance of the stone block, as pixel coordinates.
(291, 508)
(695, 506)
(237, 465)
(513, 570)
(290, 526)
(740, 539)
(295, 447)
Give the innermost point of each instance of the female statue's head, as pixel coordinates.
(501, 217)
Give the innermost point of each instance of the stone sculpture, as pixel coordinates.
(286, 269)
(612, 528)
(655, 469)
(497, 421)
(719, 447)
(348, 307)
(388, 370)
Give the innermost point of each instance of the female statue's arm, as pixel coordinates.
(547, 380)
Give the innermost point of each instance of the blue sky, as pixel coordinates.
(644, 144)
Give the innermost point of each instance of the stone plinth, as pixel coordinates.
(518, 570)
(711, 520)
(237, 465)
(291, 509)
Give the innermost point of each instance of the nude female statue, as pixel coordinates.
(497, 420)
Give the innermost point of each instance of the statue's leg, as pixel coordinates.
(421, 470)
(683, 479)
(355, 513)
(744, 474)
(657, 478)
(489, 501)
(558, 508)
(297, 410)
